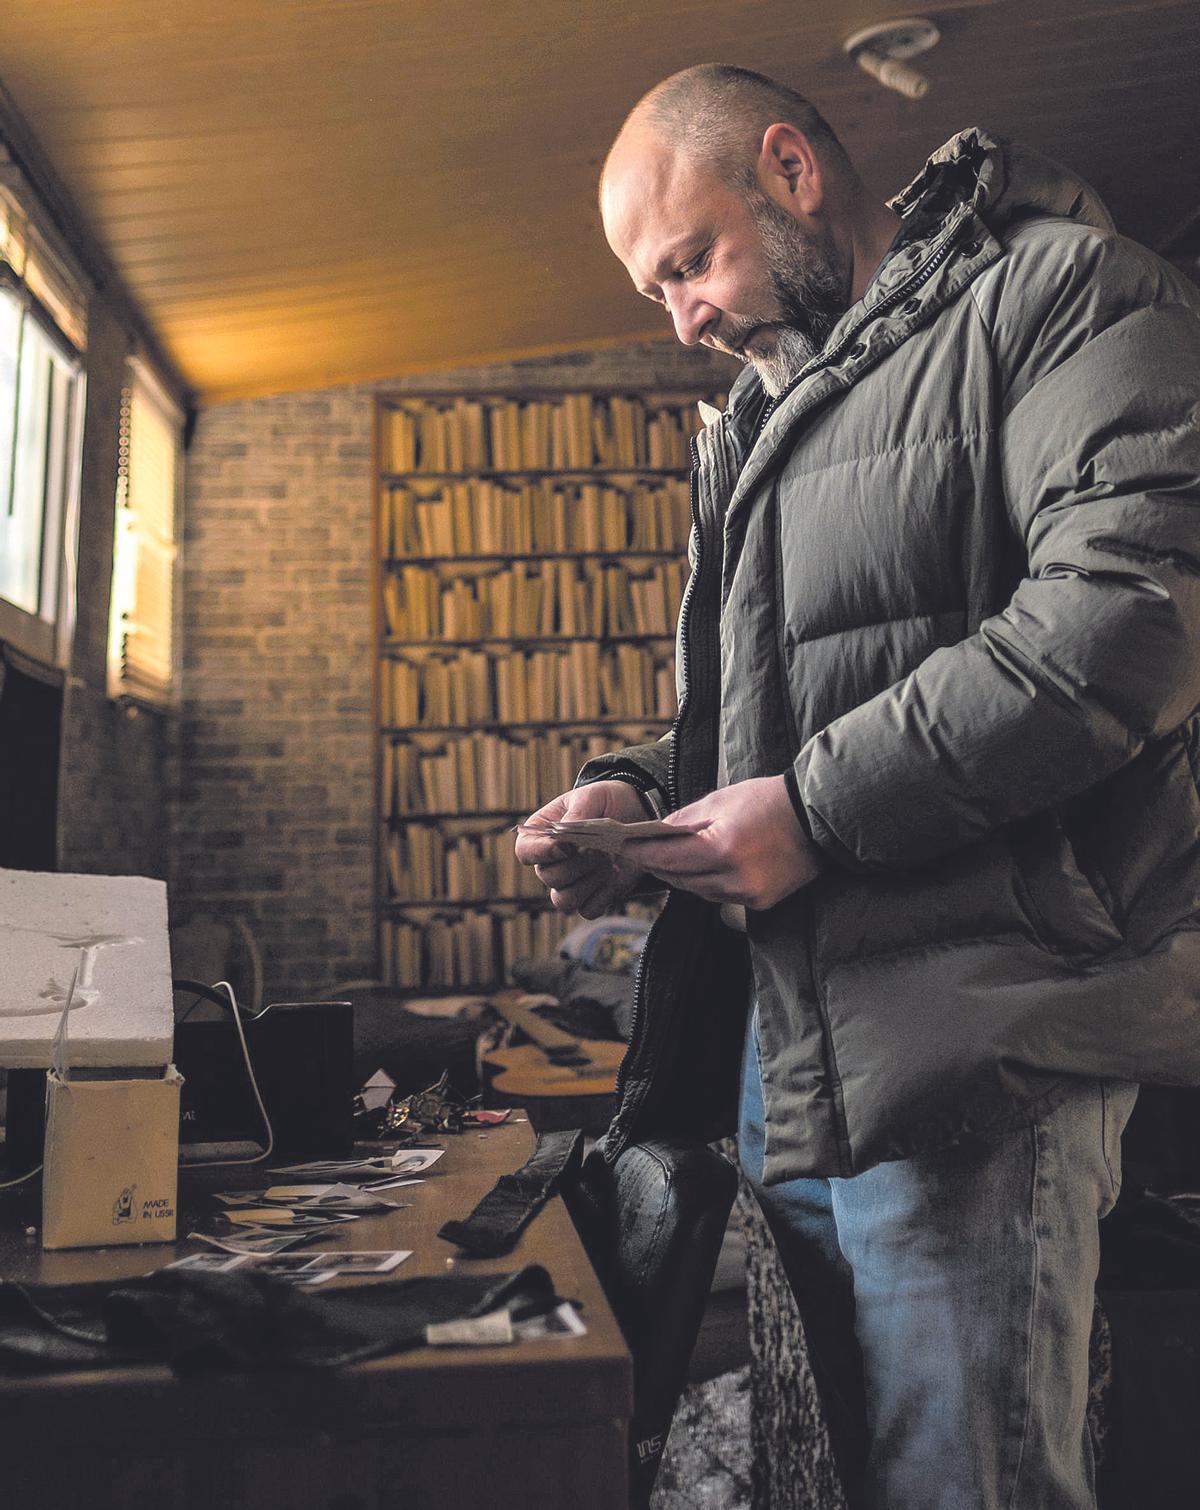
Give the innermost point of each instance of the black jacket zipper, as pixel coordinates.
(913, 281)
(636, 1014)
(684, 619)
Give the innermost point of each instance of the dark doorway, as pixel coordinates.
(30, 725)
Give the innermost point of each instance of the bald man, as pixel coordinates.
(937, 754)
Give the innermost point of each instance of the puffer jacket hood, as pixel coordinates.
(1003, 182)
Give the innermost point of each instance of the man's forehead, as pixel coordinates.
(654, 200)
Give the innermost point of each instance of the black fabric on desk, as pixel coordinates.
(412, 1049)
(196, 1322)
(497, 1221)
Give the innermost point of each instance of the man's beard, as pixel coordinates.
(811, 288)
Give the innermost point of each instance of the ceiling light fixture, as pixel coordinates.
(883, 52)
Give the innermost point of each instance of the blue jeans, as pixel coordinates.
(947, 1304)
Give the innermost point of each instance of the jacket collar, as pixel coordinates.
(969, 193)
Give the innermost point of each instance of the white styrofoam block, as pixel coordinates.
(114, 930)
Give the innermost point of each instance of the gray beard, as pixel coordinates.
(812, 290)
(792, 352)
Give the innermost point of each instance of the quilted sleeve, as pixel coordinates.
(1097, 350)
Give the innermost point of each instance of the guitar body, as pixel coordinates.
(526, 1071)
(561, 1081)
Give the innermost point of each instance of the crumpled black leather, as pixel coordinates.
(497, 1221)
(652, 1224)
(195, 1321)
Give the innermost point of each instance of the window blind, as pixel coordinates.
(34, 256)
(141, 642)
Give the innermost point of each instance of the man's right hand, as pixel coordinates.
(581, 880)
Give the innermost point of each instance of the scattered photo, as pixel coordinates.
(380, 1262)
(415, 1160)
(375, 1186)
(287, 1193)
(285, 1264)
(283, 1216)
(210, 1263)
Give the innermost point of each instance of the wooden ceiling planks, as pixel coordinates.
(316, 191)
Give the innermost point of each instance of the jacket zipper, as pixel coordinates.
(635, 1015)
(913, 281)
(684, 618)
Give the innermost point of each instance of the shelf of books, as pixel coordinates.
(532, 559)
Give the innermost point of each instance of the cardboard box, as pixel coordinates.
(111, 1160)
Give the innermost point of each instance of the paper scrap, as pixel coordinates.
(498, 1327)
(377, 1091)
(491, 1330)
(563, 1321)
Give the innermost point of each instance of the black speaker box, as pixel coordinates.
(302, 1053)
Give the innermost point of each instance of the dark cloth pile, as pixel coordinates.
(197, 1322)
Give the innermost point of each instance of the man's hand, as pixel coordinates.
(581, 880)
(749, 846)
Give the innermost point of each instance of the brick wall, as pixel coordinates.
(273, 791)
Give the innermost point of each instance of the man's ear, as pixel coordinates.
(789, 171)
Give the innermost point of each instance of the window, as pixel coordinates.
(141, 632)
(42, 334)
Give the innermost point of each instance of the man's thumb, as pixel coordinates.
(586, 802)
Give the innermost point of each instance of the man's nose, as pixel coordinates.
(690, 314)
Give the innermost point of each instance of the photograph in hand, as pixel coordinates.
(606, 835)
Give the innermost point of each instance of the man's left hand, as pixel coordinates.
(748, 846)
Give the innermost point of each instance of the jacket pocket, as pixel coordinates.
(1065, 912)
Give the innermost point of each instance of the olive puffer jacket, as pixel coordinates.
(953, 578)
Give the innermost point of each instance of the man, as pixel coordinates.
(938, 736)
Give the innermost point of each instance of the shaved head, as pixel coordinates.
(716, 115)
(733, 205)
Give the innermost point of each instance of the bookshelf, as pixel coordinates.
(531, 562)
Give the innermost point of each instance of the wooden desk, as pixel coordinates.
(540, 1426)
